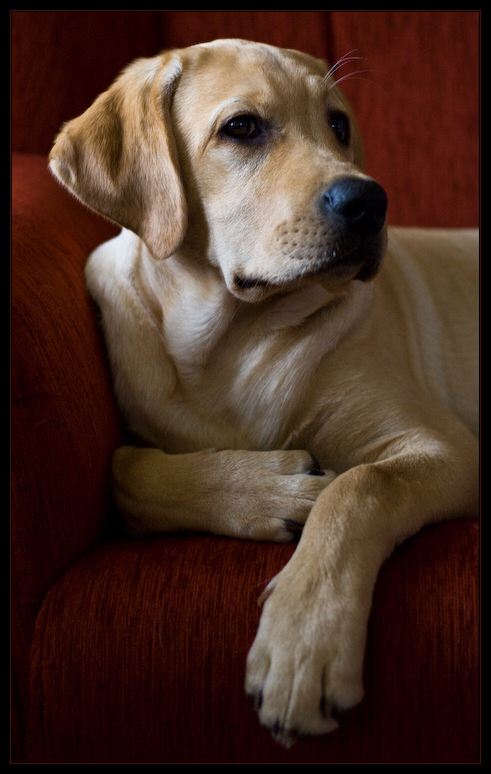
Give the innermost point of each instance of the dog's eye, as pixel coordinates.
(242, 128)
(339, 123)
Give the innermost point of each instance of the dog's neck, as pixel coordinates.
(190, 303)
(205, 331)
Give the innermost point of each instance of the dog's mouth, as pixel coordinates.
(242, 283)
(336, 271)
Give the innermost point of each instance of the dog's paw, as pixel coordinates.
(305, 665)
(269, 495)
(265, 495)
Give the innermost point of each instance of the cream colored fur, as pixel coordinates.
(238, 351)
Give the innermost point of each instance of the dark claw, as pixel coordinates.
(329, 710)
(294, 529)
(293, 526)
(325, 707)
(257, 699)
(315, 470)
(286, 738)
(337, 712)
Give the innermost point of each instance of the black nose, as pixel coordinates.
(360, 202)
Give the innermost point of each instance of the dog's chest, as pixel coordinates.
(240, 381)
(244, 398)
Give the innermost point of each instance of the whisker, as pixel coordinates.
(350, 75)
(344, 60)
(356, 76)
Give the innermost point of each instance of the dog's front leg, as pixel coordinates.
(245, 494)
(307, 658)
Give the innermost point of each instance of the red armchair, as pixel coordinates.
(134, 651)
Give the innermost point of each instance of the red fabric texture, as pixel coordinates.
(64, 422)
(134, 651)
(139, 654)
(418, 107)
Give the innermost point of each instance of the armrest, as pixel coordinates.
(64, 419)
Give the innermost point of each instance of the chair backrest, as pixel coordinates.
(416, 97)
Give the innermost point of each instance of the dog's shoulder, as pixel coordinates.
(430, 289)
(109, 267)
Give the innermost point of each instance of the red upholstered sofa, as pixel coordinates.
(133, 651)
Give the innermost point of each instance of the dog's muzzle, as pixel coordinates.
(350, 244)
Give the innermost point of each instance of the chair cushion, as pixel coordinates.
(139, 656)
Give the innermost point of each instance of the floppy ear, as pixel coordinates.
(120, 158)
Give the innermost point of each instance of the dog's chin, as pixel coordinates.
(334, 277)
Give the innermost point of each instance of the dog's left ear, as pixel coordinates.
(120, 157)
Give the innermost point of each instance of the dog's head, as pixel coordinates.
(239, 154)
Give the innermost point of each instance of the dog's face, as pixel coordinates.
(267, 143)
(256, 143)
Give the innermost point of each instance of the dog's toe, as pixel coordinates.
(306, 662)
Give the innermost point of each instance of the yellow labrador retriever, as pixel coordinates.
(258, 318)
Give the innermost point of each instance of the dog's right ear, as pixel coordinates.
(120, 158)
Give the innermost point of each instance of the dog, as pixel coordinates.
(290, 367)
